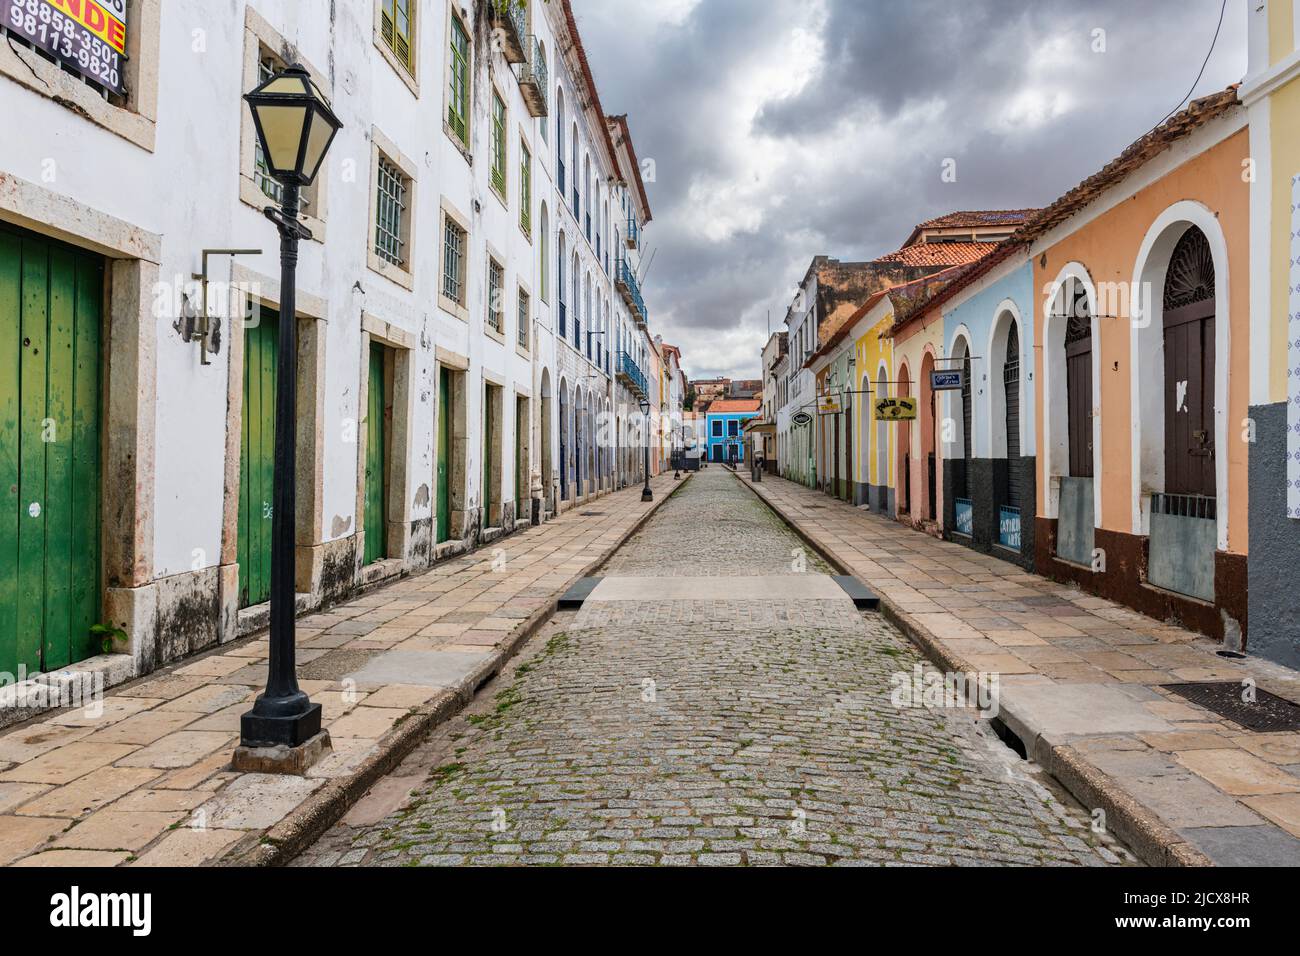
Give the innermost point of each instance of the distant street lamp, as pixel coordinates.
(295, 127)
(647, 494)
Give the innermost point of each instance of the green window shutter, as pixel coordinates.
(397, 24)
(525, 189)
(458, 100)
(498, 145)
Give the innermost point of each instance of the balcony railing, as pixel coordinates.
(630, 290)
(510, 24)
(534, 80)
(633, 233)
(631, 375)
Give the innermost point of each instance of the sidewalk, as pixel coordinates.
(148, 780)
(1081, 686)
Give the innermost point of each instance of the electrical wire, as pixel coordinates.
(1204, 64)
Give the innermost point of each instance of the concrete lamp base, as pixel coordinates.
(283, 760)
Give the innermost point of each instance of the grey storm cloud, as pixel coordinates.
(784, 129)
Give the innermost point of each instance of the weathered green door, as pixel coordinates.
(50, 302)
(376, 455)
(257, 459)
(444, 455)
(521, 470)
(489, 443)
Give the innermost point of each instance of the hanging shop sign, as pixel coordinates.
(947, 381)
(896, 409)
(829, 404)
(89, 36)
(801, 419)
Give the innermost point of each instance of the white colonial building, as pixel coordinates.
(460, 311)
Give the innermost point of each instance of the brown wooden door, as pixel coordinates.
(1189, 368)
(1189, 400)
(1078, 385)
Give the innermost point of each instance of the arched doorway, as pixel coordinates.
(579, 445)
(864, 397)
(957, 457)
(565, 440)
(929, 454)
(903, 490)
(546, 464)
(1009, 512)
(881, 502)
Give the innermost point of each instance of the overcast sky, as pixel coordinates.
(784, 129)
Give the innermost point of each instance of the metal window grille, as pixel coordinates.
(261, 171)
(453, 263)
(525, 318)
(390, 213)
(1185, 506)
(458, 101)
(496, 284)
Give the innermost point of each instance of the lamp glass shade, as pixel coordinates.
(319, 138)
(282, 131)
(645, 407)
(294, 123)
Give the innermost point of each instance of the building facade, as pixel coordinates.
(456, 305)
(725, 427)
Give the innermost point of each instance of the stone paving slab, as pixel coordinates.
(145, 779)
(1082, 685)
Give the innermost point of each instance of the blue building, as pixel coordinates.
(725, 428)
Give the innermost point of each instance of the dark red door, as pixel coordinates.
(1189, 368)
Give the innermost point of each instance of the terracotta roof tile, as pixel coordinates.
(734, 406)
(979, 217)
(940, 253)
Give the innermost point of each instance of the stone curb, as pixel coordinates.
(1154, 842)
(306, 823)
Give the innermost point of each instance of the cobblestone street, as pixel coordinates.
(712, 731)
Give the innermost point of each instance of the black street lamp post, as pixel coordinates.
(647, 494)
(295, 127)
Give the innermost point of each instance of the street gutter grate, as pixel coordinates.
(1268, 713)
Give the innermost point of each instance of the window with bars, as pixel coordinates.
(458, 94)
(267, 66)
(496, 289)
(526, 190)
(453, 261)
(397, 24)
(390, 213)
(525, 317)
(498, 144)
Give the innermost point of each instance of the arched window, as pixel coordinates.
(577, 304)
(577, 200)
(559, 284)
(544, 260)
(586, 308)
(559, 137)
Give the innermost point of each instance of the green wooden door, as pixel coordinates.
(489, 441)
(257, 459)
(444, 455)
(376, 455)
(50, 304)
(521, 470)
